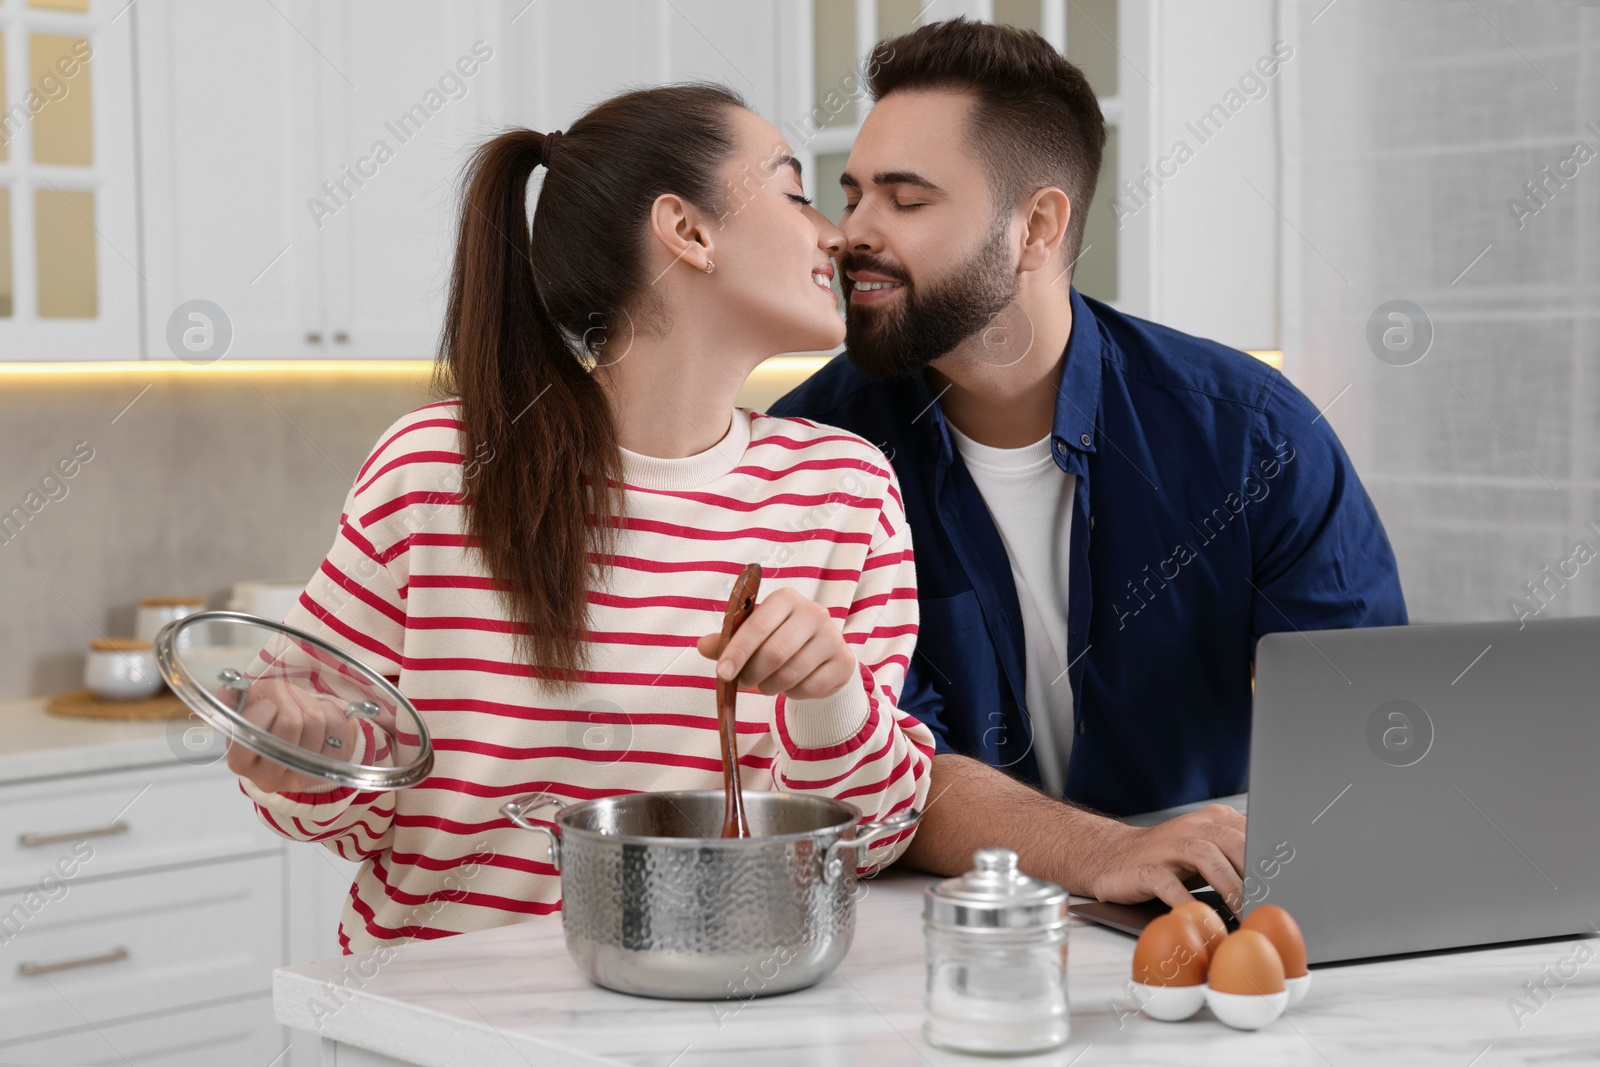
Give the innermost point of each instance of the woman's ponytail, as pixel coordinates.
(530, 309)
(535, 424)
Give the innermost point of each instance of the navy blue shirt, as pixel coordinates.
(1213, 504)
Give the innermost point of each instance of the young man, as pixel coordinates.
(1107, 513)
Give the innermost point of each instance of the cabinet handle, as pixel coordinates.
(341, 337)
(118, 827)
(31, 969)
(313, 338)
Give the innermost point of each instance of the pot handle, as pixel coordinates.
(866, 833)
(517, 811)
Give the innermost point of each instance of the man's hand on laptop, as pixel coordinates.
(1166, 860)
(972, 806)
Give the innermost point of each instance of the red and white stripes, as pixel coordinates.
(404, 590)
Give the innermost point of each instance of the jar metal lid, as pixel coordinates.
(995, 895)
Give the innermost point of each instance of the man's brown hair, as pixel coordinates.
(1035, 123)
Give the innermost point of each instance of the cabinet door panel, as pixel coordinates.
(576, 67)
(131, 820)
(733, 43)
(302, 162)
(69, 239)
(229, 125)
(416, 98)
(101, 951)
(406, 114)
(240, 1032)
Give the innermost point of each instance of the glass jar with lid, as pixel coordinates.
(997, 959)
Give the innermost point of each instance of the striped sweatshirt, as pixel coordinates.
(405, 590)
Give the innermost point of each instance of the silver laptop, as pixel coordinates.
(1429, 786)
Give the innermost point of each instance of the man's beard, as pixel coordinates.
(885, 343)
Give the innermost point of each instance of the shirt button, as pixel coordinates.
(1086, 440)
(1080, 729)
(1061, 446)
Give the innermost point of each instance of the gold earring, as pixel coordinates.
(709, 267)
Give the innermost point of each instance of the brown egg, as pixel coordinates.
(1207, 923)
(1169, 953)
(1246, 964)
(1284, 933)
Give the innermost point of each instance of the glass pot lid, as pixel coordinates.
(295, 699)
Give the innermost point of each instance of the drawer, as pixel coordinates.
(153, 942)
(238, 1032)
(113, 823)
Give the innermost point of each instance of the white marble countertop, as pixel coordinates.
(37, 744)
(512, 996)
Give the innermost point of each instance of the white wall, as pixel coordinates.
(1413, 128)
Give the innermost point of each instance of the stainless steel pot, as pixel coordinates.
(655, 903)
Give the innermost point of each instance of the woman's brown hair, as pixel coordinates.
(529, 315)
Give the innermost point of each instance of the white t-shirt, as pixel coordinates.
(1030, 500)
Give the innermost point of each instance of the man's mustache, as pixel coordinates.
(858, 261)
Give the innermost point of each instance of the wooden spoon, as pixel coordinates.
(740, 604)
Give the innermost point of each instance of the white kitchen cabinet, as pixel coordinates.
(407, 92)
(290, 180)
(143, 904)
(302, 162)
(137, 819)
(317, 883)
(132, 896)
(263, 189)
(140, 944)
(228, 118)
(77, 212)
(231, 1032)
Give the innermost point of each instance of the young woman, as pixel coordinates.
(541, 561)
